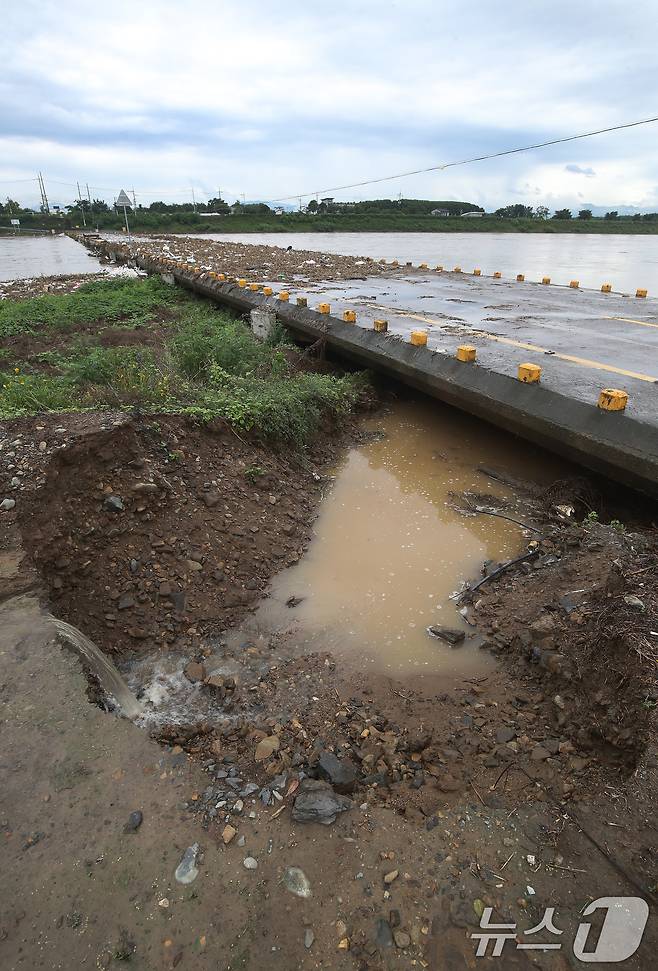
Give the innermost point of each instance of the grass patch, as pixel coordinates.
(209, 366)
(120, 299)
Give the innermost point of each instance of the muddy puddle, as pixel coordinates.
(391, 545)
(392, 541)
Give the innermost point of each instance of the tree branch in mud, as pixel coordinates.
(469, 591)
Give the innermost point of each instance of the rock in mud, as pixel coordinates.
(195, 671)
(296, 881)
(249, 863)
(402, 939)
(383, 933)
(309, 937)
(228, 833)
(134, 822)
(113, 504)
(186, 871)
(451, 635)
(266, 747)
(339, 772)
(318, 803)
(7, 504)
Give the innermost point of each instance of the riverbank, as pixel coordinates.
(141, 222)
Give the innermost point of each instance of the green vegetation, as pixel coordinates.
(198, 361)
(328, 216)
(126, 301)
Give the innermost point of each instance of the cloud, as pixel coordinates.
(275, 100)
(579, 170)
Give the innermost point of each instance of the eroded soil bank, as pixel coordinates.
(527, 785)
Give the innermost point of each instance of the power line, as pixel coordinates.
(466, 161)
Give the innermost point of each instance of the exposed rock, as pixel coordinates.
(7, 504)
(296, 881)
(401, 938)
(383, 933)
(113, 504)
(505, 734)
(134, 822)
(451, 635)
(195, 671)
(228, 833)
(187, 871)
(339, 772)
(266, 747)
(317, 802)
(249, 863)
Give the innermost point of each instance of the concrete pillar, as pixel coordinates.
(262, 322)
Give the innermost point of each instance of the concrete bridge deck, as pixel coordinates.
(584, 341)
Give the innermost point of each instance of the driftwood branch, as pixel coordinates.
(531, 555)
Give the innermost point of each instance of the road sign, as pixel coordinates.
(123, 199)
(15, 222)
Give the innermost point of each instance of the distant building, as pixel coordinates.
(328, 201)
(440, 212)
(472, 215)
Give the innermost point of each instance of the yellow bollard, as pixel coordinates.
(606, 288)
(457, 269)
(349, 316)
(267, 291)
(574, 284)
(546, 280)
(254, 287)
(466, 353)
(381, 326)
(422, 266)
(640, 293)
(302, 301)
(284, 295)
(610, 399)
(324, 308)
(520, 277)
(497, 275)
(242, 283)
(477, 272)
(418, 338)
(529, 373)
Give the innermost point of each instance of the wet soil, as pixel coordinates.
(482, 792)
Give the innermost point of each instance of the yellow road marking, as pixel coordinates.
(631, 320)
(572, 358)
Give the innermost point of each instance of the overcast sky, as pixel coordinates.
(273, 99)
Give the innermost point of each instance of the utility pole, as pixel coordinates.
(193, 201)
(134, 200)
(44, 198)
(84, 221)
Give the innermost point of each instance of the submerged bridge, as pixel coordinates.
(573, 370)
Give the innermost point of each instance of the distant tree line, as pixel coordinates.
(174, 215)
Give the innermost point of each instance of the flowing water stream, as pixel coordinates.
(99, 664)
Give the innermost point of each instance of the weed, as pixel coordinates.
(253, 472)
(211, 367)
(120, 299)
